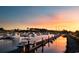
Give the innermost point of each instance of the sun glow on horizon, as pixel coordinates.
(66, 19)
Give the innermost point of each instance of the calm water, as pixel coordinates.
(7, 45)
(57, 46)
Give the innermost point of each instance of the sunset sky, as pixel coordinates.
(53, 18)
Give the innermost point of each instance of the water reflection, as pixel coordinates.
(58, 46)
(7, 45)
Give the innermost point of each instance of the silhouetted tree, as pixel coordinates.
(77, 33)
(64, 32)
(1, 29)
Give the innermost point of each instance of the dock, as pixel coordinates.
(29, 48)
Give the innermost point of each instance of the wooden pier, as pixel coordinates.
(26, 48)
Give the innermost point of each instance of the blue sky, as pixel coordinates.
(36, 16)
(17, 14)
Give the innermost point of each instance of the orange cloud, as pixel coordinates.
(63, 20)
(67, 19)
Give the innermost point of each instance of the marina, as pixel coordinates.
(44, 29)
(31, 43)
